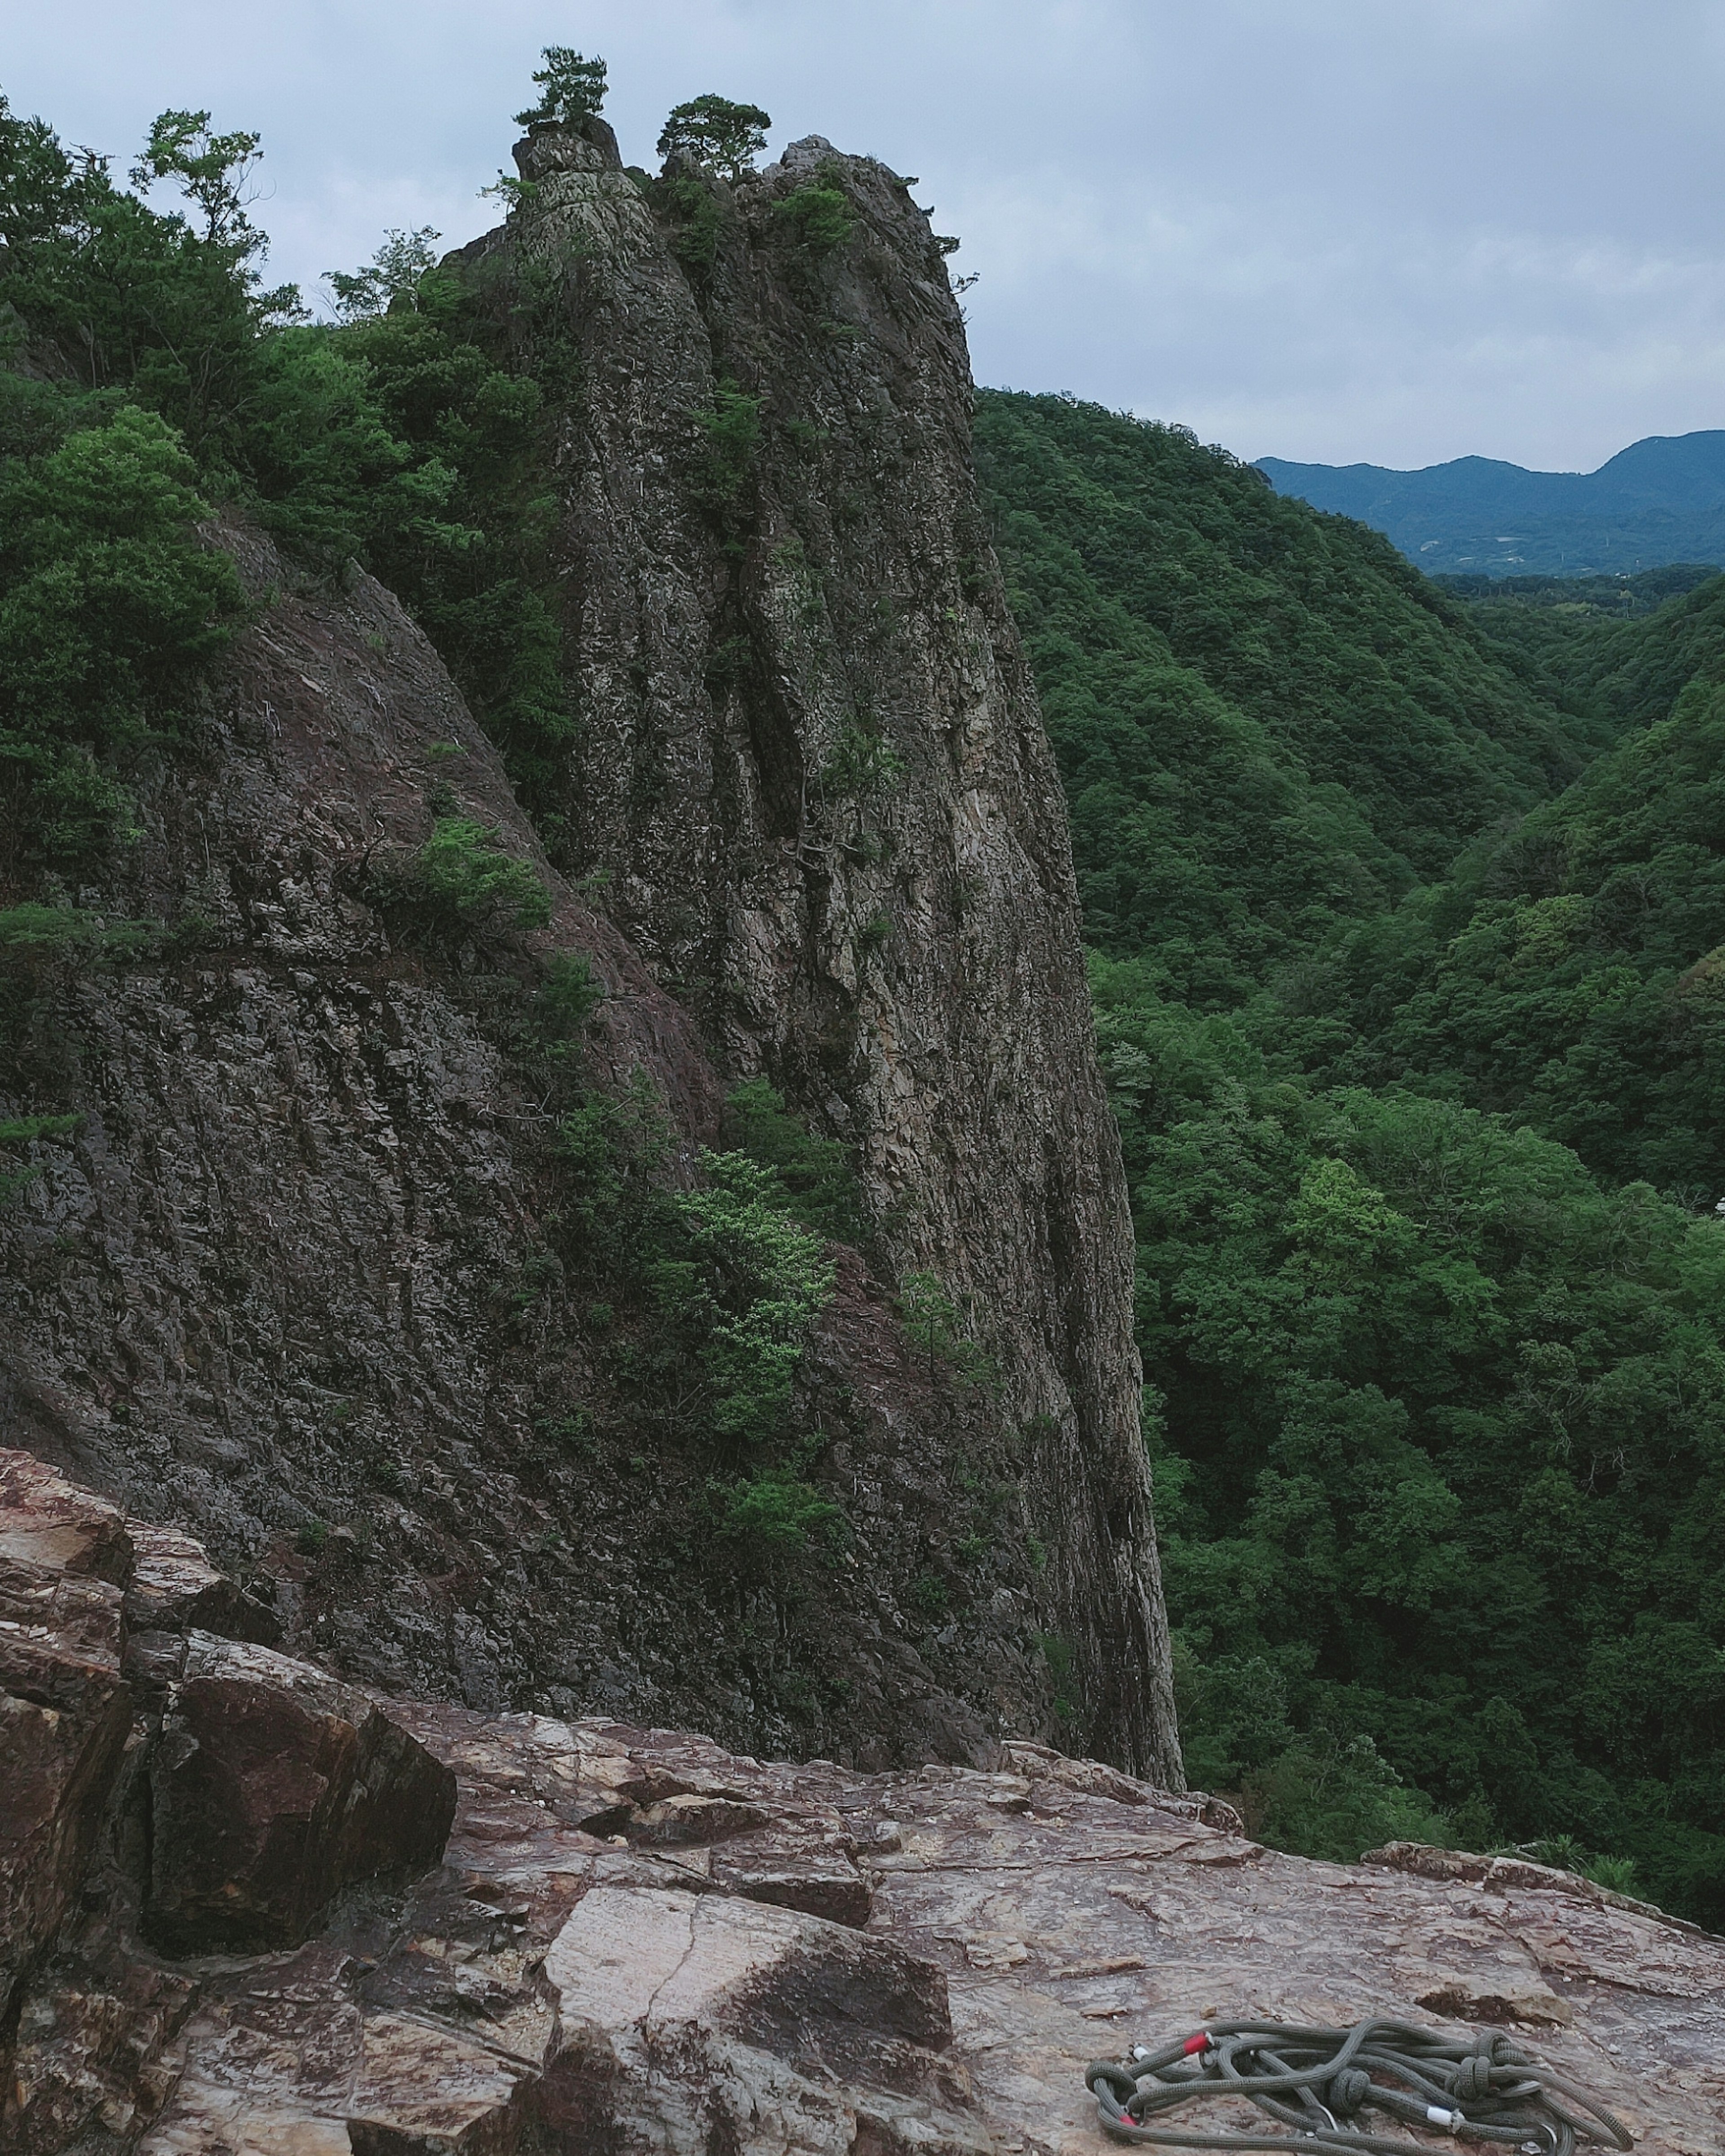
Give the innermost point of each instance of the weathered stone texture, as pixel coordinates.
(604, 1960)
(816, 776)
(65, 1708)
(272, 1289)
(272, 1786)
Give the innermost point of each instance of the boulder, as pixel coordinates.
(49, 1525)
(696, 2021)
(274, 1786)
(64, 1706)
(639, 1942)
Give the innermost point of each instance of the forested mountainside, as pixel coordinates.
(551, 1102)
(1660, 500)
(1267, 722)
(1424, 1160)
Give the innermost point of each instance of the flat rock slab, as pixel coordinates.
(637, 1943)
(1069, 1912)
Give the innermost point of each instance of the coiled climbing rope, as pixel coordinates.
(1318, 2083)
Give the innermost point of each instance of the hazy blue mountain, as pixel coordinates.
(1660, 500)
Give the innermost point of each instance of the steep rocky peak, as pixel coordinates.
(588, 147)
(815, 778)
(317, 1276)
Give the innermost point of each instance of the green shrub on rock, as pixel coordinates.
(462, 875)
(108, 606)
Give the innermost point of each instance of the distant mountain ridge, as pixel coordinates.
(1660, 500)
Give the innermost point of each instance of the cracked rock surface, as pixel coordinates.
(634, 1941)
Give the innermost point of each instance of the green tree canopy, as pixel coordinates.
(715, 131)
(212, 171)
(573, 89)
(393, 273)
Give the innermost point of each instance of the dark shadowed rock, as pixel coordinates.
(64, 1706)
(272, 1787)
(176, 1588)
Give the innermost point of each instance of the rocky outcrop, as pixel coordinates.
(66, 1707)
(272, 1786)
(815, 785)
(293, 1280)
(606, 1957)
(306, 1278)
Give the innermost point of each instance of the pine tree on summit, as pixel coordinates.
(715, 131)
(573, 87)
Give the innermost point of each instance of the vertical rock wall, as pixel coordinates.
(303, 1277)
(813, 781)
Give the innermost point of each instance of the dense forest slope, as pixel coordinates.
(400, 1180)
(1430, 1280)
(1266, 722)
(1660, 500)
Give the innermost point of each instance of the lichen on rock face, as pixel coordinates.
(350, 1263)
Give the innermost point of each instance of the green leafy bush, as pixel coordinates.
(568, 995)
(463, 877)
(818, 212)
(691, 210)
(407, 439)
(763, 1278)
(31, 927)
(1336, 1797)
(930, 1318)
(109, 609)
(730, 436)
(774, 1513)
(863, 763)
(815, 1177)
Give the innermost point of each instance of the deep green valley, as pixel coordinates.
(1408, 916)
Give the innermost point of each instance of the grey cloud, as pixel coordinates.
(1389, 229)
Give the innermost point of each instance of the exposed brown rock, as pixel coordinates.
(304, 1281)
(95, 2052)
(64, 1706)
(546, 1990)
(174, 1588)
(49, 1525)
(272, 1787)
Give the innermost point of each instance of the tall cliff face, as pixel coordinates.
(307, 1277)
(816, 784)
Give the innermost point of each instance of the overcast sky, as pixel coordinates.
(1384, 230)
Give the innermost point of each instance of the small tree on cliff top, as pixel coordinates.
(717, 132)
(573, 86)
